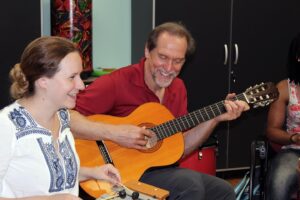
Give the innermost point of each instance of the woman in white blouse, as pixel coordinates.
(38, 159)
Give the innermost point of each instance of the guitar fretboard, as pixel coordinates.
(192, 119)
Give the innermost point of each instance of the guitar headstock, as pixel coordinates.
(261, 95)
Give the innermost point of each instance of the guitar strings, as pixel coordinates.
(182, 123)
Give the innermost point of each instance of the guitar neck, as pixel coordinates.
(192, 119)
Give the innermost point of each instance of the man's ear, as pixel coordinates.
(146, 51)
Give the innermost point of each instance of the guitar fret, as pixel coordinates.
(182, 122)
(178, 127)
(205, 109)
(169, 128)
(218, 109)
(201, 116)
(187, 121)
(192, 120)
(205, 112)
(156, 130)
(174, 128)
(194, 113)
(163, 131)
(212, 110)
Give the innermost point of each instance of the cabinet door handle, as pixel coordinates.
(225, 54)
(236, 47)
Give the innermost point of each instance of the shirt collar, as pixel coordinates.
(139, 80)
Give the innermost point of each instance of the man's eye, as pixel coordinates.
(162, 57)
(180, 61)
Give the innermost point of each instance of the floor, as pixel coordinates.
(233, 177)
(234, 181)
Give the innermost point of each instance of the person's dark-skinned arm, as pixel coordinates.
(276, 118)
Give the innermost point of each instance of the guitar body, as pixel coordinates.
(131, 163)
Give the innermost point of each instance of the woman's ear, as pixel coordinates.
(42, 83)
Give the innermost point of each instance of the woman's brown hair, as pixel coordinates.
(40, 58)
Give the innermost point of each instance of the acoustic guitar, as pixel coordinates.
(164, 149)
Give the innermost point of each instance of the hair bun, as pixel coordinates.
(19, 85)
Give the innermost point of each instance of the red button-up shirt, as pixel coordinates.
(123, 90)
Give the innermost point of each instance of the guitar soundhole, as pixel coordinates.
(152, 144)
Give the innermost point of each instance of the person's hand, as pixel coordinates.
(63, 197)
(108, 173)
(234, 108)
(295, 139)
(131, 136)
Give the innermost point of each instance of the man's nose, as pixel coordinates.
(169, 65)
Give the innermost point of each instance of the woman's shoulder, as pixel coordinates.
(7, 116)
(283, 85)
(8, 110)
(283, 88)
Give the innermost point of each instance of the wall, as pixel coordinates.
(19, 26)
(111, 31)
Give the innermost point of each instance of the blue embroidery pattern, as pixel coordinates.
(62, 163)
(24, 123)
(54, 165)
(70, 163)
(61, 177)
(63, 114)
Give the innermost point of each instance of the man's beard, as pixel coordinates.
(162, 78)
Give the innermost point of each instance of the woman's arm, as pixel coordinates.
(105, 172)
(277, 115)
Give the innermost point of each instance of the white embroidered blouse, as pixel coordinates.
(29, 163)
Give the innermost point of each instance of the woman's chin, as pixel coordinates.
(70, 104)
